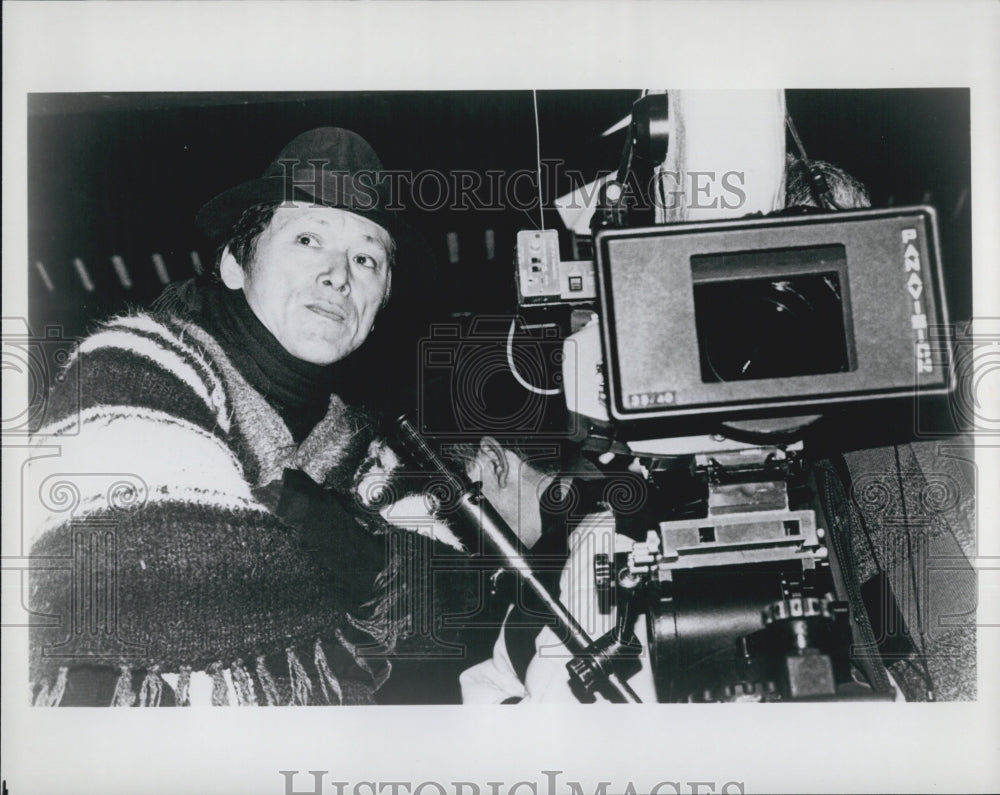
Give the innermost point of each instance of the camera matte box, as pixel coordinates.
(889, 279)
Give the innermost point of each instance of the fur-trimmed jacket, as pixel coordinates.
(180, 545)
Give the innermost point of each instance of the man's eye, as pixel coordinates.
(365, 261)
(307, 240)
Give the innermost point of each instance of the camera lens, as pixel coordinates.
(770, 328)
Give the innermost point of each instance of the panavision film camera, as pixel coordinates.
(712, 348)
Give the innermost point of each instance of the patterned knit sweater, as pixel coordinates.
(174, 546)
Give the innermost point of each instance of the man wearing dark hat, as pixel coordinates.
(230, 562)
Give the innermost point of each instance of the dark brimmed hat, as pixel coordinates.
(328, 166)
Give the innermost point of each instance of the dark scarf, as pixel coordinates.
(299, 391)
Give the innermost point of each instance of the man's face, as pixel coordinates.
(516, 493)
(317, 280)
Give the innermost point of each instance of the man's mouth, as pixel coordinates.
(328, 311)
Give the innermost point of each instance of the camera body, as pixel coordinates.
(771, 315)
(703, 330)
(543, 277)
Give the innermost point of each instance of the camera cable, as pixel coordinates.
(538, 160)
(513, 367)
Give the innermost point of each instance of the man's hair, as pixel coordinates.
(531, 450)
(243, 237)
(846, 192)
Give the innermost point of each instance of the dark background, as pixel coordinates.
(124, 174)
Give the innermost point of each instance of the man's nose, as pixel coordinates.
(337, 273)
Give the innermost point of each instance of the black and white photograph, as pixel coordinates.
(625, 432)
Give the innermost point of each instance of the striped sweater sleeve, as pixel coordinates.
(150, 546)
(135, 401)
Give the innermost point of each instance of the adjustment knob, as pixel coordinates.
(602, 570)
(795, 607)
(581, 671)
(603, 581)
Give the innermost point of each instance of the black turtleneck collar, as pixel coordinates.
(299, 391)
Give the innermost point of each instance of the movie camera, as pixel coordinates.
(711, 350)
